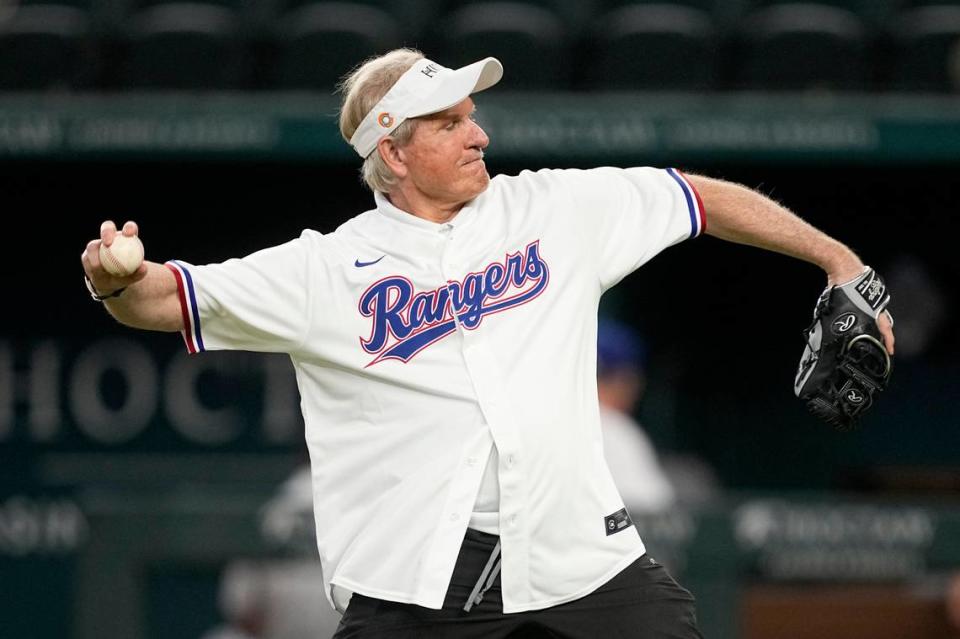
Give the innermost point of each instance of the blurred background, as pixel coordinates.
(148, 495)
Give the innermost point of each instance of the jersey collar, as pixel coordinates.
(388, 210)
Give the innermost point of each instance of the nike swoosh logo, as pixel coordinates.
(360, 264)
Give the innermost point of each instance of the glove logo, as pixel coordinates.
(873, 290)
(854, 396)
(843, 323)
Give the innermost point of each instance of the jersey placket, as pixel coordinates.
(461, 495)
(494, 403)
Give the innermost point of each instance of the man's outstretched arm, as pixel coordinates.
(150, 299)
(738, 214)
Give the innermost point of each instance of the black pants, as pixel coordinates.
(641, 602)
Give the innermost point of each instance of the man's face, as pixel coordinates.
(445, 156)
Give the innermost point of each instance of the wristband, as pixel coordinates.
(97, 296)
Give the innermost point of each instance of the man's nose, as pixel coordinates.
(478, 136)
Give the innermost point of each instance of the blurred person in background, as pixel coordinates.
(286, 520)
(650, 481)
(298, 605)
(274, 598)
(242, 601)
(629, 452)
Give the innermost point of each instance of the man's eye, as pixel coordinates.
(450, 126)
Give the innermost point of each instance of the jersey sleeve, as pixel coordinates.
(256, 303)
(632, 214)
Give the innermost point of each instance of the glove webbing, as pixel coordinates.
(856, 394)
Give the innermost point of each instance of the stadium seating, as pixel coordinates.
(44, 47)
(687, 45)
(802, 46)
(927, 49)
(575, 15)
(873, 12)
(183, 46)
(653, 46)
(710, 6)
(724, 13)
(528, 39)
(317, 43)
(411, 15)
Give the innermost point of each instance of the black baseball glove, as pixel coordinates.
(845, 364)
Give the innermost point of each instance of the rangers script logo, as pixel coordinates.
(405, 322)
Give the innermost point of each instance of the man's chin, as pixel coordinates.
(484, 182)
(477, 186)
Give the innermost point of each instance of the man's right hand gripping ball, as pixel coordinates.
(845, 364)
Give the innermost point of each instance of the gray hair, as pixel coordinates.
(362, 88)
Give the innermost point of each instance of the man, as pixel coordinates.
(242, 600)
(630, 454)
(445, 348)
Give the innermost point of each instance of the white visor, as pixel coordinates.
(425, 88)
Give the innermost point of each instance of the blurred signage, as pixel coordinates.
(522, 126)
(124, 393)
(42, 538)
(31, 527)
(789, 540)
(521, 131)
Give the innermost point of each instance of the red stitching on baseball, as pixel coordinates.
(116, 262)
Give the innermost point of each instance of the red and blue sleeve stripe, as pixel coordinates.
(698, 220)
(188, 307)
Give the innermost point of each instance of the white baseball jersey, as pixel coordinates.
(419, 346)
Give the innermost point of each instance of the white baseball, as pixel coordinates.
(123, 257)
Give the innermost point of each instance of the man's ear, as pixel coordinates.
(393, 156)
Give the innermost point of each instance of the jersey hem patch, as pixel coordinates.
(617, 522)
(698, 220)
(188, 307)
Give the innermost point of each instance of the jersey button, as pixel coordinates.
(511, 460)
(454, 517)
(512, 520)
(472, 461)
